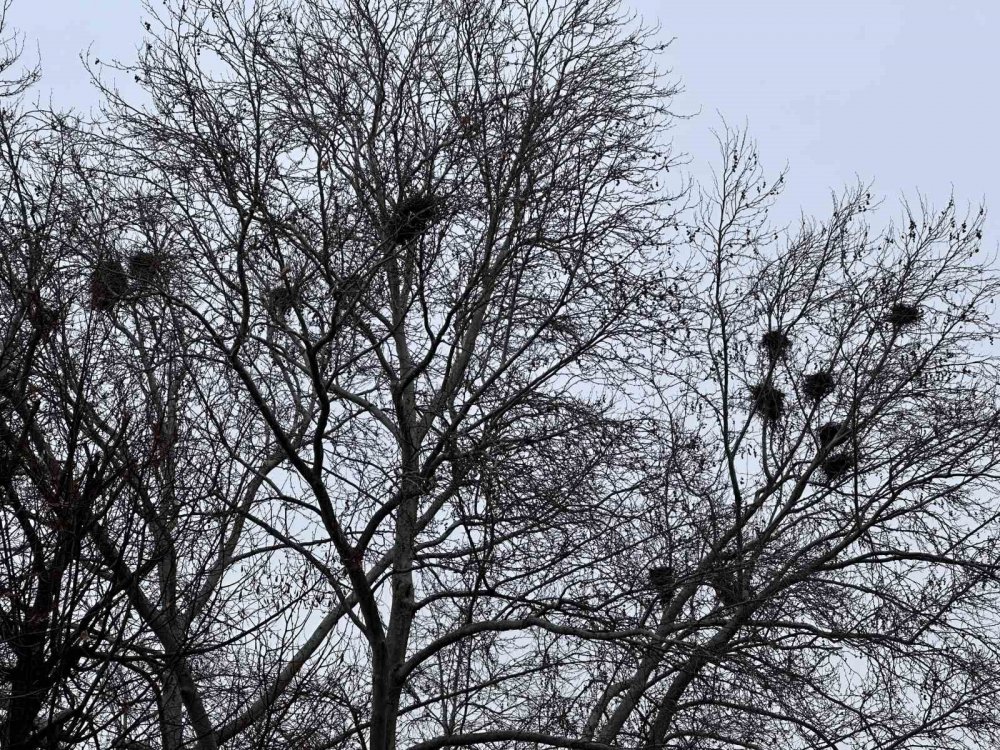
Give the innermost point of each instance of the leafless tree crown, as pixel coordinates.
(364, 385)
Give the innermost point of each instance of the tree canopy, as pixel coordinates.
(369, 381)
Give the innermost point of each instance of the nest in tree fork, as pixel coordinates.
(148, 268)
(44, 317)
(818, 385)
(828, 433)
(281, 299)
(768, 401)
(347, 291)
(414, 216)
(903, 315)
(776, 343)
(836, 465)
(727, 586)
(661, 578)
(46, 320)
(108, 284)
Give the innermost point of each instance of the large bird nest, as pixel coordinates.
(768, 401)
(818, 385)
(837, 465)
(108, 284)
(44, 317)
(776, 343)
(148, 268)
(413, 216)
(661, 578)
(903, 315)
(828, 433)
(282, 299)
(728, 585)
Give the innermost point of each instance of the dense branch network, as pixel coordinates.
(364, 385)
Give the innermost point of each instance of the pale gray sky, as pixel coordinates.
(900, 92)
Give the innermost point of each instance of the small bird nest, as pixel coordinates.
(768, 401)
(413, 216)
(148, 268)
(836, 465)
(661, 578)
(727, 586)
(775, 343)
(281, 299)
(347, 291)
(903, 315)
(828, 433)
(108, 284)
(818, 385)
(45, 318)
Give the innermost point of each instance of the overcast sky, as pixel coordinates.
(900, 92)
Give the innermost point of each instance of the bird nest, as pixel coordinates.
(776, 343)
(828, 433)
(44, 317)
(903, 315)
(818, 385)
(347, 291)
(661, 578)
(148, 268)
(768, 401)
(281, 299)
(413, 216)
(837, 465)
(108, 284)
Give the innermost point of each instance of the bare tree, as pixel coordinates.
(829, 535)
(382, 396)
(116, 527)
(419, 244)
(55, 483)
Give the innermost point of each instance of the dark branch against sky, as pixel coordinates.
(894, 92)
